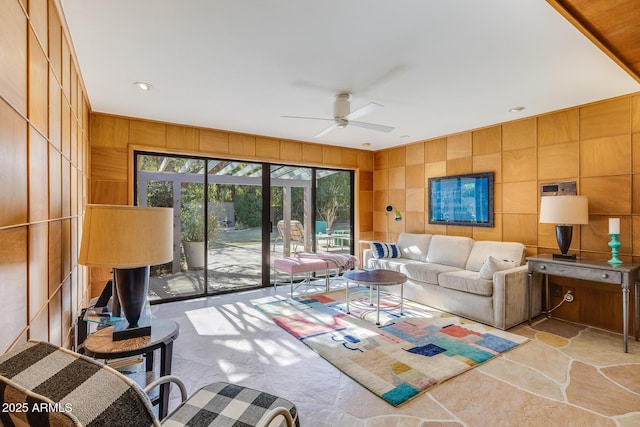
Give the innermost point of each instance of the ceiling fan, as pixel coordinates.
(343, 116)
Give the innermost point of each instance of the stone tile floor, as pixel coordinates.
(567, 375)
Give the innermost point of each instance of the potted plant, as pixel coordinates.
(194, 240)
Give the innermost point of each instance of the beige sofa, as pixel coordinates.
(484, 281)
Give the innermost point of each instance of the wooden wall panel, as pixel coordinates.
(290, 151)
(600, 189)
(13, 45)
(312, 154)
(13, 292)
(267, 148)
(38, 267)
(349, 157)
(145, 133)
(65, 129)
(113, 132)
(55, 112)
(559, 162)
(55, 41)
(459, 165)
(559, 128)
(519, 165)
(331, 155)
(38, 85)
(42, 176)
(519, 134)
(182, 138)
(487, 141)
(38, 177)
(39, 20)
(609, 155)
(414, 154)
(65, 60)
(606, 119)
(243, 146)
(381, 160)
(397, 178)
(635, 114)
(13, 167)
(459, 146)
(415, 176)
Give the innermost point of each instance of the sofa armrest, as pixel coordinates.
(511, 297)
(366, 256)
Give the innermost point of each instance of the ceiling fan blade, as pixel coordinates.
(326, 131)
(364, 110)
(308, 118)
(372, 126)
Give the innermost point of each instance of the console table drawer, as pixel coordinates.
(595, 274)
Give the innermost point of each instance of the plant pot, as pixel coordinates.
(194, 254)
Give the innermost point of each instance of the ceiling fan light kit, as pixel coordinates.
(343, 117)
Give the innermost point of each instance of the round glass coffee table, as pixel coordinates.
(376, 278)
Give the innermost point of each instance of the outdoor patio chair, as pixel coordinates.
(42, 384)
(296, 231)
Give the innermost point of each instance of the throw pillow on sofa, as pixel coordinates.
(384, 250)
(491, 265)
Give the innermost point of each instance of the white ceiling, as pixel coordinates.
(438, 66)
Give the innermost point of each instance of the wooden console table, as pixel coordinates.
(589, 269)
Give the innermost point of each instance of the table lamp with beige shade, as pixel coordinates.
(128, 239)
(564, 211)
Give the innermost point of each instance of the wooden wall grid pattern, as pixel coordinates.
(596, 145)
(44, 120)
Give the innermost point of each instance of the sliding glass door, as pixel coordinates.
(235, 200)
(334, 213)
(224, 238)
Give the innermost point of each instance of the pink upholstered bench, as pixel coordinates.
(297, 265)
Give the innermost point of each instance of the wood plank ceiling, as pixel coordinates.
(614, 25)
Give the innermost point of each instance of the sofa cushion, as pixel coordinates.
(425, 271)
(466, 281)
(384, 250)
(508, 251)
(414, 246)
(449, 250)
(491, 265)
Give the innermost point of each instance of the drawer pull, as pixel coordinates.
(605, 275)
(542, 267)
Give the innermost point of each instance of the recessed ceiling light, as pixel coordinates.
(516, 109)
(143, 86)
(366, 144)
(405, 137)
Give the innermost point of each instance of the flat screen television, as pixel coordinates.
(462, 200)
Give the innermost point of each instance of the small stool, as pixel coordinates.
(224, 405)
(296, 265)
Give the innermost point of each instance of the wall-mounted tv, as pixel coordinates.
(462, 200)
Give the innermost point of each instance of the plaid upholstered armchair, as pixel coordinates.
(45, 385)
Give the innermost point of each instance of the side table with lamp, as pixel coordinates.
(565, 211)
(129, 239)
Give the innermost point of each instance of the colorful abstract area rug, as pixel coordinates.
(397, 361)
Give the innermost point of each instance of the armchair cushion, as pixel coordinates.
(229, 405)
(74, 390)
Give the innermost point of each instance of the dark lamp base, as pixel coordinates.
(122, 331)
(565, 257)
